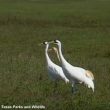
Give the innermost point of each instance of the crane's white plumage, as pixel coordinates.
(55, 72)
(75, 74)
(88, 73)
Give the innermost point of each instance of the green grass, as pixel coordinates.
(83, 26)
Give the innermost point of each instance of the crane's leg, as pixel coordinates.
(74, 88)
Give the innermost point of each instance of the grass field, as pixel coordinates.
(83, 26)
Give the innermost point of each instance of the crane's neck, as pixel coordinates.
(63, 61)
(46, 54)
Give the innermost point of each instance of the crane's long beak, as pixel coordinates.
(51, 42)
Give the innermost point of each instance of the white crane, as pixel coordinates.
(88, 72)
(55, 72)
(75, 74)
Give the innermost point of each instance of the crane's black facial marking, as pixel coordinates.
(44, 43)
(55, 41)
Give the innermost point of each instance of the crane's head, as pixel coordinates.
(43, 43)
(56, 42)
(89, 83)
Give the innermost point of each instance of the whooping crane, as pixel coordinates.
(88, 72)
(56, 51)
(75, 74)
(55, 72)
